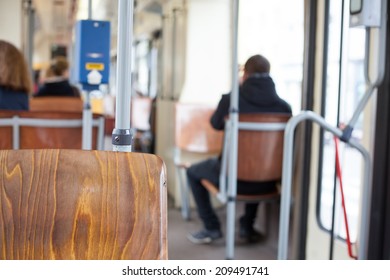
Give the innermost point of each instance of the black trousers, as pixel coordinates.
(209, 169)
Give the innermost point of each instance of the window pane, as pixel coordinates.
(279, 38)
(339, 108)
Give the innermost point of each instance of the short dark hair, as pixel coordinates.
(257, 64)
(59, 65)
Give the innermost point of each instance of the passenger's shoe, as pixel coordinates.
(250, 235)
(204, 236)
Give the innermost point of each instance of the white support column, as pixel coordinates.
(11, 21)
(121, 136)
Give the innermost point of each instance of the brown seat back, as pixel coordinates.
(193, 131)
(260, 153)
(39, 137)
(56, 104)
(72, 204)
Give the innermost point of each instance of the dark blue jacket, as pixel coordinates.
(256, 95)
(13, 100)
(57, 88)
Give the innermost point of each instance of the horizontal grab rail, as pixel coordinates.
(287, 182)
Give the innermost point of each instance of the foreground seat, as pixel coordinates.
(73, 204)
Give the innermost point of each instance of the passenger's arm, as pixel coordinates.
(218, 118)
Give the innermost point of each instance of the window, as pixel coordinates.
(279, 38)
(345, 86)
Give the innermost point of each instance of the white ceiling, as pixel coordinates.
(55, 19)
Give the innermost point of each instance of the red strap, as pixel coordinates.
(339, 176)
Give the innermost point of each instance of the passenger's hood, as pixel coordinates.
(259, 90)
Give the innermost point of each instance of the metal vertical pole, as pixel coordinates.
(121, 135)
(232, 179)
(173, 55)
(89, 9)
(29, 36)
(153, 72)
(87, 110)
(87, 124)
(15, 133)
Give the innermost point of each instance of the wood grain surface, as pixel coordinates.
(73, 204)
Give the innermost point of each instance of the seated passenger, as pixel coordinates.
(256, 94)
(56, 82)
(15, 81)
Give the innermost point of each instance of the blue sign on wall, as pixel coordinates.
(92, 53)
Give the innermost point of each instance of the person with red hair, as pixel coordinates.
(15, 80)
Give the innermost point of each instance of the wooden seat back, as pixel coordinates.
(260, 153)
(39, 136)
(193, 131)
(73, 204)
(56, 104)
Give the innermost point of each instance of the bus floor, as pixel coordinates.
(180, 248)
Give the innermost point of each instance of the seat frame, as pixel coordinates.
(274, 125)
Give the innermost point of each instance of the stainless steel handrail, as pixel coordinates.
(287, 182)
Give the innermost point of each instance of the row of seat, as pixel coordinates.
(52, 122)
(38, 130)
(72, 204)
